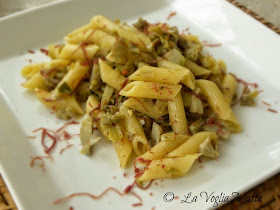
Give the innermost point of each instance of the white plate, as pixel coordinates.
(250, 50)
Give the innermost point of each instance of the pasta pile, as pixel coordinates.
(148, 89)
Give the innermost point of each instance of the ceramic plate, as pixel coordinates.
(250, 50)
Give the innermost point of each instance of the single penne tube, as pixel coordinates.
(30, 70)
(71, 79)
(160, 150)
(229, 85)
(210, 64)
(53, 65)
(35, 82)
(146, 107)
(100, 21)
(78, 52)
(159, 75)
(92, 104)
(101, 38)
(107, 94)
(56, 63)
(54, 50)
(110, 76)
(219, 104)
(134, 131)
(93, 110)
(188, 79)
(95, 78)
(131, 34)
(136, 37)
(168, 168)
(62, 102)
(124, 150)
(196, 69)
(81, 29)
(150, 90)
(222, 66)
(177, 115)
(192, 145)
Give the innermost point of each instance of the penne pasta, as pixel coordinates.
(78, 52)
(95, 78)
(168, 168)
(92, 104)
(110, 76)
(196, 69)
(210, 64)
(93, 110)
(134, 131)
(72, 79)
(165, 146)
(131, 34)
(63, 102)
(192, 145)
(159, 75)
(219, 104)
(187, 80)
(147, 107)
(150, 90)
(100, 21)
(54, 50)
(86, 132)
(30, 70)
(35, 82)
(98, 37)
(123, 148)
(177, 115)
(124, 151)
(82, 29)
(229, 85)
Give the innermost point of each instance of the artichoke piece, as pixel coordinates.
(86, 149)
(88, 139)
(209, 148)
(175, 56)
(248, 97)
(115, 133)
(156, 133)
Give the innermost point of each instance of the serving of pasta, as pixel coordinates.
(149, 90)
